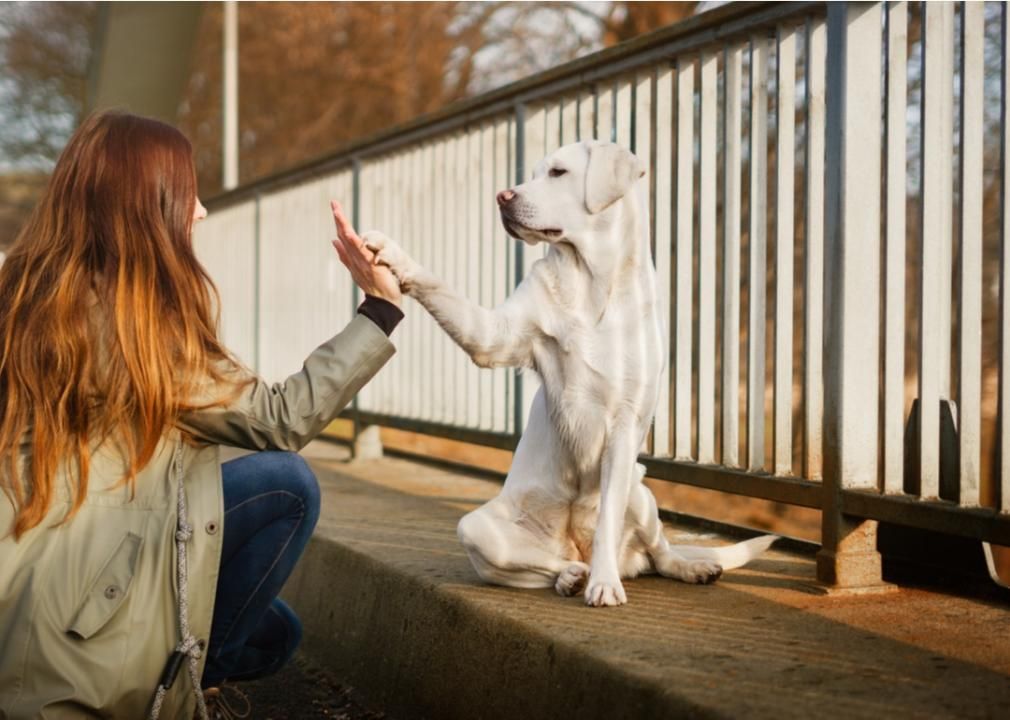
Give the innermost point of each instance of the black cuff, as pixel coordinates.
(381, 312)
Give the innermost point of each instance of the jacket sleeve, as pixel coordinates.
(288, 414)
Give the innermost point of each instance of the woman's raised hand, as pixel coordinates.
(371, 278)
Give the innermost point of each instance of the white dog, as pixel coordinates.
(573, 512)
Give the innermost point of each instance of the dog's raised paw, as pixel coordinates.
(572, 579)
(388, 253)
(603, 594)
(382, 246)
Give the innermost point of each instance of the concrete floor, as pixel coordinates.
(391, 604)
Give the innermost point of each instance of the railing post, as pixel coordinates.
(848, 558)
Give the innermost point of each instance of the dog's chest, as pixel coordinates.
(594, 373)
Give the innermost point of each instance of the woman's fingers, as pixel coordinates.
(344, 228)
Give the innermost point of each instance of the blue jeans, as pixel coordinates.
(271, 504)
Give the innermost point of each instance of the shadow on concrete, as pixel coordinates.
(391, 604)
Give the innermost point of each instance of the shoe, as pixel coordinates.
(225, 702)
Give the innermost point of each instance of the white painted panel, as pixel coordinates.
(486, 269)
(683, 289)
(587, 116)
(623, 114)
(972, 192)
(934, 341)
(605, 111)
(813, 311)
(305, 294)
(706, 257)
(569, 120)
(503, 254)
(784, 282)
(731, 257)
(225, 243)
(757, 253)
(535, 143)
(662, 445)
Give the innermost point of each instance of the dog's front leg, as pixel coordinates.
(616, 479)
(492, 338)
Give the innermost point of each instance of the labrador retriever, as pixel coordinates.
(573, 512)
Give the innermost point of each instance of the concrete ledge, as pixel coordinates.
(390, 604)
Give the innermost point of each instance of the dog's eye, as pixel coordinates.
(556, 172)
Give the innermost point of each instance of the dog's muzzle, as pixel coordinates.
(511, 211)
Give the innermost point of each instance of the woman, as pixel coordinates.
(134, 566)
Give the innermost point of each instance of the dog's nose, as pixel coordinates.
(505, 197)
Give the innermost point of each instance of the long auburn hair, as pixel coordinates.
(108, 322)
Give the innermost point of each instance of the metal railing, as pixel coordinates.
(779, 236)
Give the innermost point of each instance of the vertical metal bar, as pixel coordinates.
(518, 410)
(397, 177)
(356, 223)
(485, 267)
(440, 233)
(605, 114)
(570, 122)
(587, 114)
(970, 270)
(758, 252)
(894, 269)
(429, 258)
(623, 112)
(417, 183)
(934, 319)
(662, 428)
(613, 113)
(230, 92)
(456, 215)
(1003, 477)
(813, 380)
(848, 557)
(785, 167)
(257, 290)
(706, 257)
(552, 121)
(642, 139)
(731, 259)
(684, 258)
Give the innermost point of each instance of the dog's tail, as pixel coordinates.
(728, 556)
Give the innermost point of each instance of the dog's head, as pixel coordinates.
(572, 190)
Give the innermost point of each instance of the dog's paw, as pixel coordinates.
(701, 572)
(572, 579)
(605, 593)
(389, 253)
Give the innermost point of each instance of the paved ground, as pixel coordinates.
(392, 606)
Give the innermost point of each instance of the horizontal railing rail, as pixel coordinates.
(782, 179)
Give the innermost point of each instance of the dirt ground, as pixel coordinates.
(305, 691)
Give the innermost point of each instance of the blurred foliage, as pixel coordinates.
(313, 76)
(45, 49)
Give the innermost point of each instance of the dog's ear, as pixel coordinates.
(611, 172)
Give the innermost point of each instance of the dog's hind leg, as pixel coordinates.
(504, 552)
(644, 515)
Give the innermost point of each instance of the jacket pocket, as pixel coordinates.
(109, 589)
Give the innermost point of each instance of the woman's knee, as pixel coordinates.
(294, 475)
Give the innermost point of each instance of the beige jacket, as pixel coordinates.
(88, 611)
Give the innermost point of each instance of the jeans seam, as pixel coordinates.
(265, 494)
(263, 578)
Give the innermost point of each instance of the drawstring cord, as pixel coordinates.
(188, 646)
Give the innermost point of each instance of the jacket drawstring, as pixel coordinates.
(188, 647)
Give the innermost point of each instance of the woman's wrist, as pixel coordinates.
(385, 314)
